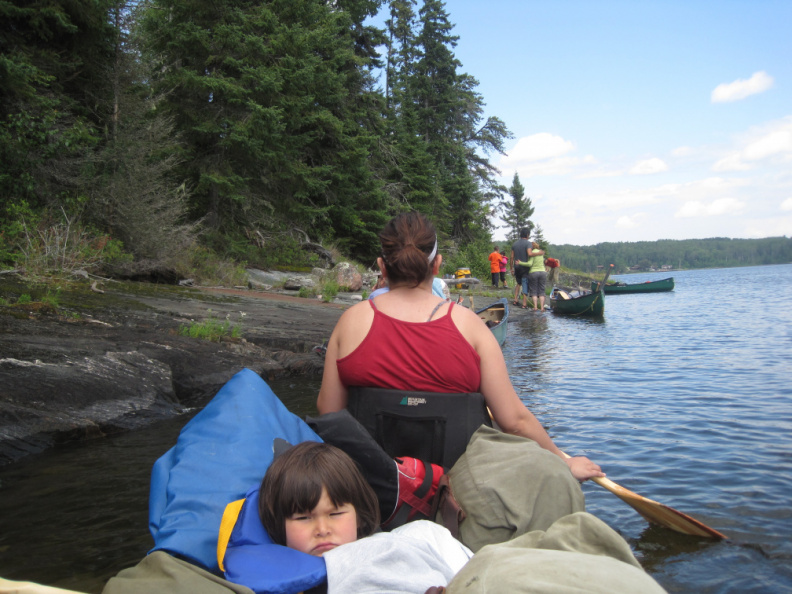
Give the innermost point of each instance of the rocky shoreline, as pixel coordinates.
(99, 363)
(108, 357)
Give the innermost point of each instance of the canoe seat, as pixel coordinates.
(563, 295)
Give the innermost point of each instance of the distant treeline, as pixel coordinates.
(717, 252)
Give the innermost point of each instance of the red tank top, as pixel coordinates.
(417, 356)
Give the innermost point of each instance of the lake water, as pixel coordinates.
(684, 397)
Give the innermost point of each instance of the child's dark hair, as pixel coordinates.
(408, 240)
(294, 481)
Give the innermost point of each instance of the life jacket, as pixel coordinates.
(248, 556)
(220, 453)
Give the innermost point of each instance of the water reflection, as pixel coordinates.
(685, 398)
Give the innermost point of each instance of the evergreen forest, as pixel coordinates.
(206, 134)
(642, 256)
(169, 130)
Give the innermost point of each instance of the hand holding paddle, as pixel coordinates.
(658, 513)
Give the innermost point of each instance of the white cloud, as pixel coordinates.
(626, 222)
(648, 167)
(769, 145)
(732, 162)
(770, 142)
(721, 206)
(538, 147)
(774, 227)
(786, 204)
(682, 151)
(543, 154)
(741, 88)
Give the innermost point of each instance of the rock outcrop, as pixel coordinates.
(100, 363)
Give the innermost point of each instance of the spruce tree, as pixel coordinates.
(54, 63)
(448, 113)
(269, 99)
(517, 213)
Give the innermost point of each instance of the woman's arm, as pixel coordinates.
(507, 409)
(332, 394)
(350, 330)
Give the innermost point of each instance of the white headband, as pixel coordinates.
(434, 250)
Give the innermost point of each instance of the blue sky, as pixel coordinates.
(641, 119)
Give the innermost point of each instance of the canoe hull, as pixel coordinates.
(590, 304)
(658, 286)
(496, 316)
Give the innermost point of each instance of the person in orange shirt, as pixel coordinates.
(495, 259)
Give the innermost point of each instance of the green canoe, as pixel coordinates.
(587, 304)
(666, 284)
(496, 316)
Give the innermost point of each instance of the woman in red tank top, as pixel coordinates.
(409, 339)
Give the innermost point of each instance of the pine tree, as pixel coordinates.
(448, 112)
(517, 213)
(538, 237)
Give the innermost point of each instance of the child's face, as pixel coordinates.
(323, 528)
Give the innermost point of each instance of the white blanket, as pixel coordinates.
(408, 560)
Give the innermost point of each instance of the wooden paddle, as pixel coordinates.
(604, 280)
(658, 513)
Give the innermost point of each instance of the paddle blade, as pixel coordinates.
(659, 513)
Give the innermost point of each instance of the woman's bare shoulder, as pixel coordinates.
(357, 311)
(467, 320)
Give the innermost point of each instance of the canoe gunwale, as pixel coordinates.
(499, 330)
(657, 286)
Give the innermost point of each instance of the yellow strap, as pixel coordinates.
(227, 524)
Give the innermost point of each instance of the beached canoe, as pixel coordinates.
(666, 284)
(496, 316)
(577, 303)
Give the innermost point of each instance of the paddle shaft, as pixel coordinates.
(604, 280)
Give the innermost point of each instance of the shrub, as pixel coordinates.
(329, 290)
(207, 268)
(306, 292)
(270, 249)
(51, 299)
(46, 242)
(211, 329)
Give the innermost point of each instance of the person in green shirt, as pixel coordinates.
(537, 277)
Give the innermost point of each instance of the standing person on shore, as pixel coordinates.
(537, 277)
(495, 264)
(519, 252)
(503, 264)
